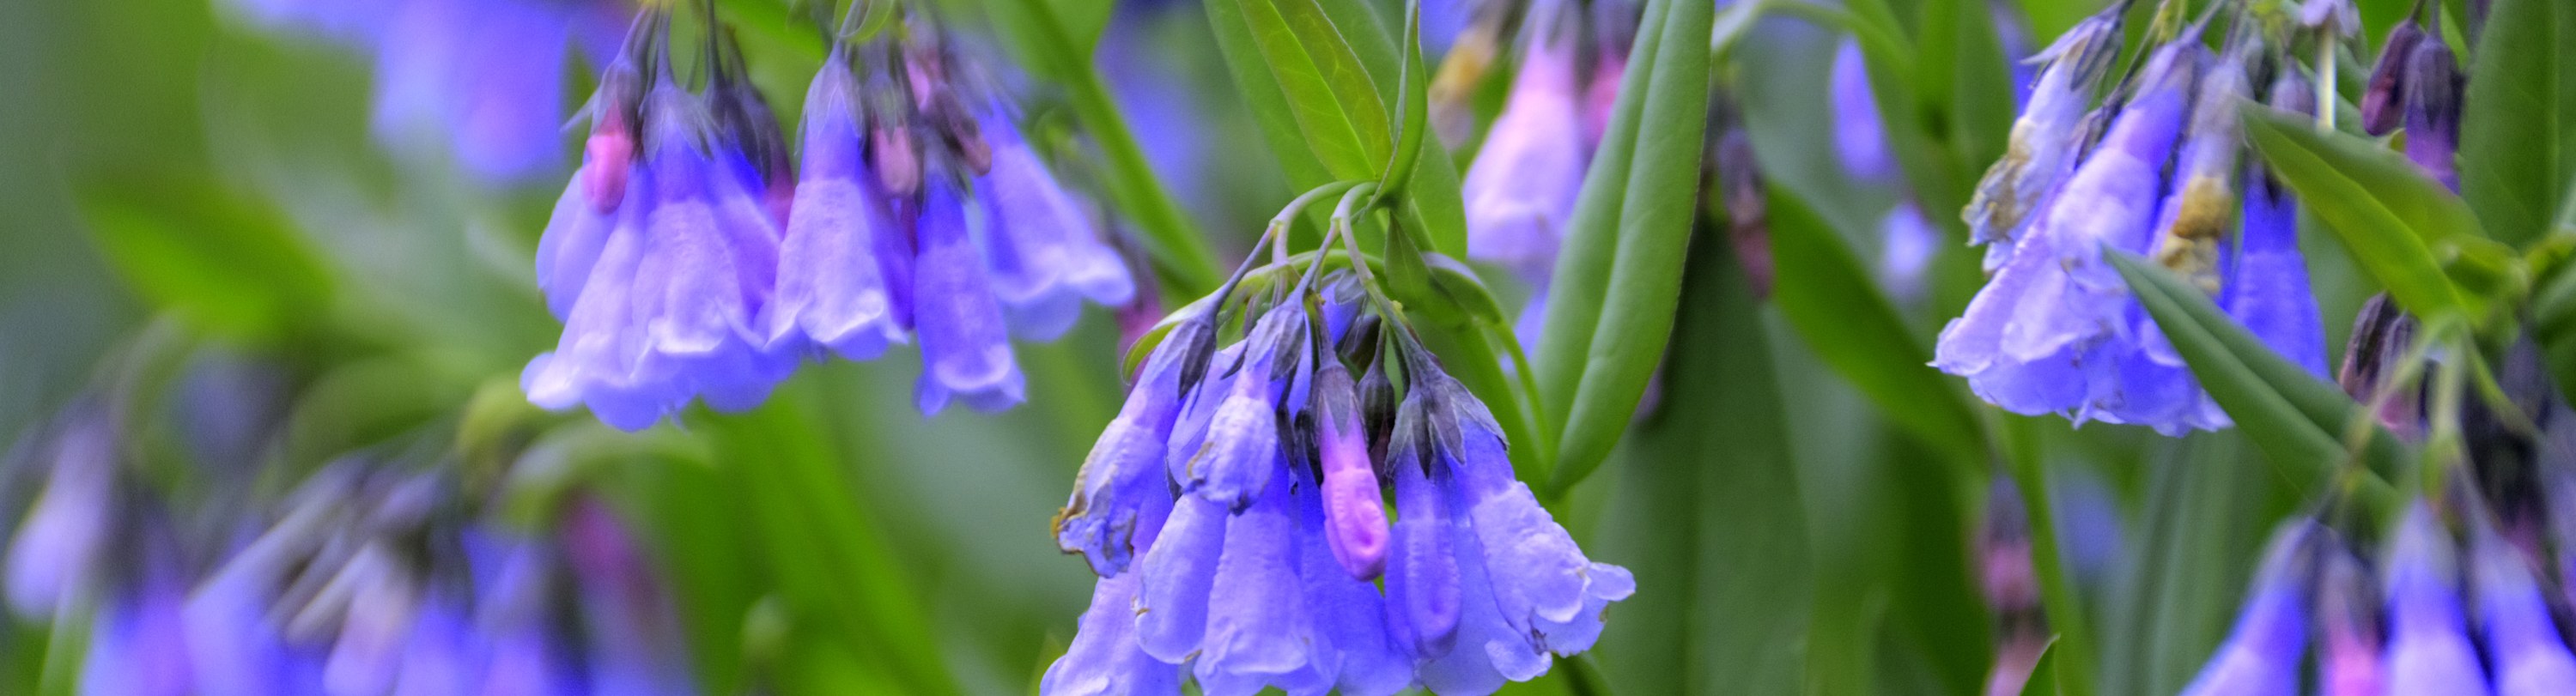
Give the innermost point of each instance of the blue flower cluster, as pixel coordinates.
(690, 259)
(369, 579)
(2409, 631)
(2156, 170)
(1235, 513)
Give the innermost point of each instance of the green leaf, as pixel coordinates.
(2295, 417)
(1642, 283)
(2518, 125)
(228, 265)
(2385, 211)
(2553, 311)
(1317, 76)
(1963, 62)
(2043, 674)
(1708, 505)
(1835, 305)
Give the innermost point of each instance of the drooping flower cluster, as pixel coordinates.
(690, 259)
(369, 579)
(486, 77)
(2430, 623)
(2055, 330)
(1235, 512)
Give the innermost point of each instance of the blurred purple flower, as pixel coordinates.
(965, 346)
(2261, 656)
(832, 287)
(2429, 651)
(1521, 188)
(1860, 138)
(2524, 647)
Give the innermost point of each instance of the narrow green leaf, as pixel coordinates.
(1660, 199)
(228, 265)
(2384, 217)
(2518, 125)
(2295, 417)
(1959, 37)
(1835, 305)
(2553, 311)
(1581, 279)
(2043, 675)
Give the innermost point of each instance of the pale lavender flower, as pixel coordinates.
(2265, 284)
(831, 285)
(59, 548)
(1520, 190)
(2348, 632)
(2043, 145)
(1124, 487)
(965, 347)
(1860, 137)
(1040, 245)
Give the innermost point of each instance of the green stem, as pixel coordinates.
(2056, 594)
(1183, 257)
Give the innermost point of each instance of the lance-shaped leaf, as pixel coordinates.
(1319, 77)
(2518, 125)
(2384, 209)
(1835, 305)
(1612, 313)
(2043, 674)
(2294, 417)
(227, 265)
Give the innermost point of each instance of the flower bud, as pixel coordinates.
(2385, 96)
(1354, 510)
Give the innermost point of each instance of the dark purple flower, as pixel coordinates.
(2432, 106)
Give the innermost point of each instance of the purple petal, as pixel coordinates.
(2261, 656)
(2428, 644)
(1860, 137)
(1172, 599)
(1123, 484)
(965, 349)
(830, 288)
(1520, 191)
(1104, 659)
(2522, 642)
(2266, 284)
(1258, 631)
(1423, 576)
(1348, 612)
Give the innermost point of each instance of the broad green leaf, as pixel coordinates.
(2518, 124)
(1834, 304)
(1331, 97)
(227, 265)
(1658, 200)
(2295, 417)
(1318, 76)
(2043, 674)
(2384, 212)
(1705, 509)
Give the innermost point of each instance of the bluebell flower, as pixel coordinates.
(2043, 143)
(138, 641)
(1242, 435)
(1354, 511)
(671, 309)
(1040, 245)
(832, 287)
(2266, 279)
(2523, 645)
(1485, 585)
(1907, 244)
(2429, 651)
(59, 548)
(2051, 332)
(1520, 190)
(1124, 487)
(2432, 98)
(2261, 656)
(2348, 626)
(1860, 137)
(1104, 659)
(965, 345)
(2383, 98)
